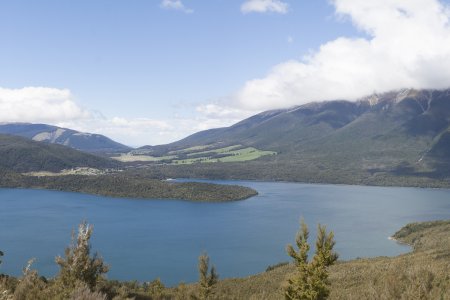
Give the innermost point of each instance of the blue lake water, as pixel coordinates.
(146, 239)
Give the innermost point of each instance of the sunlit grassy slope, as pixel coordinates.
(198, 154)
(128, 157)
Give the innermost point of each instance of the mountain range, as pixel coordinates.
(87, 142)
(400, 134)
(405, 132)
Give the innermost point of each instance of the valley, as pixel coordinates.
(395, 138)
(390, 140)
(225, 150)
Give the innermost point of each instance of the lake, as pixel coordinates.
(146, 239)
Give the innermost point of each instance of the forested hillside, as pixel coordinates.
(23, 155)
(398, 138)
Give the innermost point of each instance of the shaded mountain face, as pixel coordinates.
(94, 143)
(381, 132)
(23, 155)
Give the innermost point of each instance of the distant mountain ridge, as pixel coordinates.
(412, 112)
(400, 132)
(87, 142)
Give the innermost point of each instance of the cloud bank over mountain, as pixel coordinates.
(407, 46)
(404, 44)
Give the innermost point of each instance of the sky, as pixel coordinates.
(147, 72)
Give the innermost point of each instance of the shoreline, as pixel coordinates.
(183, 179)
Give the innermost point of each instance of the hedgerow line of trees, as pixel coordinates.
(81, 275)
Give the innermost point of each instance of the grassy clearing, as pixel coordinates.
(128, 157)
(198, 154)
(229, 155)
(74, 171)
(191, 149)
(246, 154)
(216, 151)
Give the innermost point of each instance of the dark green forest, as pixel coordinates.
(125, 185)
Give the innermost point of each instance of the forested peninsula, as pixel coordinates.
(125, 186)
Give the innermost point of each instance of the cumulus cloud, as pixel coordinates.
(407, 46)
(176, 5)
(132, 132)
(143, 131)
(39, 104)
(220, 112)
(58, 107)
(263, 6)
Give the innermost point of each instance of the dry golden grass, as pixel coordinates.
(421, 274)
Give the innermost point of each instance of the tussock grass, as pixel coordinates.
(422, 274)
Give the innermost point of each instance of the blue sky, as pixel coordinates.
(175, 66)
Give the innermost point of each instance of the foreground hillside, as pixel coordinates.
(399, 138)
(421, 274)
(88, 142)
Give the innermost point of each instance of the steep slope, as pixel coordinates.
(409, 113)
(22, 155)
(277, 129)
(56, 135)
(402, 133)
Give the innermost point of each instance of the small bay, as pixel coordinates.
(146, 239)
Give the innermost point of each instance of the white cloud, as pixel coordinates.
(221, 112)
(408, 46)
(58, 107)
(263, 6)
(175, 5)
(133, 132)
(39, 104)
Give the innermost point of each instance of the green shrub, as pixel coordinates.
(311, 278)
(78, 266)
